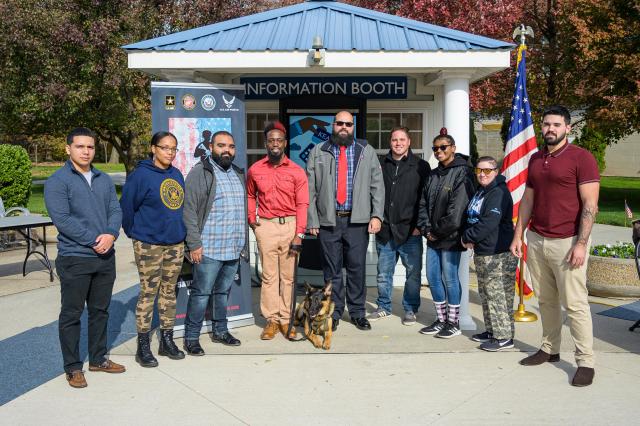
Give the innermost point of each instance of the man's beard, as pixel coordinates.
(223, 161)
(340, 140)
(275, 158)
(556, 140)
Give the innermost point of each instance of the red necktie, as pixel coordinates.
(341, 195)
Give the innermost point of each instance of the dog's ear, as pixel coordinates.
(327, 288)
(308, 288)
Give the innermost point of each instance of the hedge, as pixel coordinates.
(15, 176)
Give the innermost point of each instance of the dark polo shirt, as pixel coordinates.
(555, 179)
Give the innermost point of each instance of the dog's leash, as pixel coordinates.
(294, 286)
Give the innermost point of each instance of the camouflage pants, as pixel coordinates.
(496, 285)
(159, 267)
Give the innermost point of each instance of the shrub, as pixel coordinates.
(620, 250)
(595, 142)
(15, 176)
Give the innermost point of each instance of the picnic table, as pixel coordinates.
(23, 224)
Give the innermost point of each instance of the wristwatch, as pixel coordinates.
(300, 235)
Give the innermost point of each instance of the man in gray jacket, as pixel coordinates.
(346, 200)
(215, 215)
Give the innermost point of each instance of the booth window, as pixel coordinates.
(256, 121)
(379, 125)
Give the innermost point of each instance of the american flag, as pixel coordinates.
(521, 143)
(627, 210)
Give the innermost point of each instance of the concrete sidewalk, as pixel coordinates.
(389, 375)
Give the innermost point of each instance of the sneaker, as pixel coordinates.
(433, 328)
(378, 314)
(482, 337)
(495, 345)
(409, 318)
(448, 331)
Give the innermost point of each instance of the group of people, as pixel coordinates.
(345, 194)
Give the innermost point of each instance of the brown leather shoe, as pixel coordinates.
(269, 331)
(108, 367)
(540, 357)
(76, 379)
(283, 329)
(583, 377)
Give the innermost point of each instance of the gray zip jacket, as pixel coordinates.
(199, 193)
(368, 185)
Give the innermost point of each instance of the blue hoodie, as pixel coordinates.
(152, 201)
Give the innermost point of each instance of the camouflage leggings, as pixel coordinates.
(159, 267)
(496, 285)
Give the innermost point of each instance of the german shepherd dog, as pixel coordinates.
(314, 313)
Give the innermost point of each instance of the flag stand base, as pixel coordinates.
(523, 316)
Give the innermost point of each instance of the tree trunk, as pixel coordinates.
(115, 157)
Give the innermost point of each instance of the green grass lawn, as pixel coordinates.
(613, 192)
(43, 171)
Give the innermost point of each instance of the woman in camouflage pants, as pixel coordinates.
(152, 200)
(489, 231)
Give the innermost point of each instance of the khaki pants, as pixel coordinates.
(277, 269)
(556, 284)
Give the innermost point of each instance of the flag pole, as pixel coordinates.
(522, 315)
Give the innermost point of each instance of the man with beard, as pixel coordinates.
(346, 199)
(279, 188)
(217, 237)
(559, 204)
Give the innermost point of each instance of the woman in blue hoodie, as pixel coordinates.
(489, 231)
(151, 202)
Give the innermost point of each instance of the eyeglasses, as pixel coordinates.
(484, 171)
(344, 123)
(441, 148)
(278, 140)
(168, 149)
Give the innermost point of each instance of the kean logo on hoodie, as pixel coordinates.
(171, 194)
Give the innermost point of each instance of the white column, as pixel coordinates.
(456, 120)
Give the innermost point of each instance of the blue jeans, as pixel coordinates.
(442, 273)
(210, 278)
(410, 252)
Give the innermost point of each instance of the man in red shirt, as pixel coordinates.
(560, 203)
(280, 189)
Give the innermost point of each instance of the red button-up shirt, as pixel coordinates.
(278, 191)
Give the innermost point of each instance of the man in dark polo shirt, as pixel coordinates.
(560, 203)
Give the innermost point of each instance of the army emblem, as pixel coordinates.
(170, 102)
(171, 194)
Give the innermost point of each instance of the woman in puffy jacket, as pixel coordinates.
(441, 220)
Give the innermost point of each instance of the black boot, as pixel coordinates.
(168, 346)
(144, 357)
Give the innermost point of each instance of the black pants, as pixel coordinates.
(345, 245)
(90, 280)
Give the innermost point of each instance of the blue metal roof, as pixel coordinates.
(343, 27)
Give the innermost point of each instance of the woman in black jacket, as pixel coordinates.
(489, 232)
(441, 220)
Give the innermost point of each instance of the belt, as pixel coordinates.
(280, 220)
(343, 213)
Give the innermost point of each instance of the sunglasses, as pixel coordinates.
(344, 123)
(441, 148)
(483, 171)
